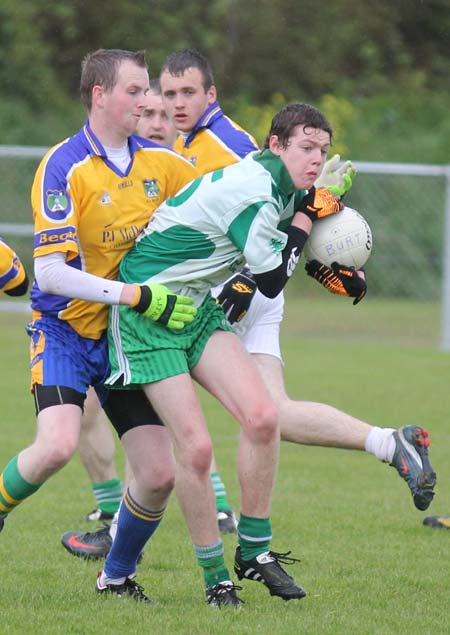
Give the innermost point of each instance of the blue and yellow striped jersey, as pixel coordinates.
(86, 208)
(12, 271)
(215, 142)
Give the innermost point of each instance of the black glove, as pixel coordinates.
(237, 295)
(320, 203)
(339, 279)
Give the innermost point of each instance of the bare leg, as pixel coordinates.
(239, 388)
(258, 450)
(307, 422)
(151, 460)
(56, 441)
(193, 453)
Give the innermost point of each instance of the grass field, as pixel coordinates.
(367, 562)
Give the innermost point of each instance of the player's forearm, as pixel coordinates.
(53, 275)
(271, 283)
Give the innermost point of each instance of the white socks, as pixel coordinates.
(113, 526)
(381, 443)
(104, 580)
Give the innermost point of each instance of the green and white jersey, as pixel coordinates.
(214, 225)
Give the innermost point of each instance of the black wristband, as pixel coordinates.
(144, 301)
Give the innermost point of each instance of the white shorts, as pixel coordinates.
(259, 330)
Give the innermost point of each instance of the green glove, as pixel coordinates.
(160, 305)
(337, 180)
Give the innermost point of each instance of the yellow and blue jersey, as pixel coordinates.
(86, 208)
(12, 271)
(215, 142)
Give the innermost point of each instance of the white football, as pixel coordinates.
(344, 237)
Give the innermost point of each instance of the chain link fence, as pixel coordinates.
(406, 205)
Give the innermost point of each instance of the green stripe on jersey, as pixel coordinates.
(161, 250)
(239, 228)
(185, 193)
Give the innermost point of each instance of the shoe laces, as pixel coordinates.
(284, 558)
(217, 591)
(134, 589)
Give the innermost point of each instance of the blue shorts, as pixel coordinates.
(64, 365)
(61, 357)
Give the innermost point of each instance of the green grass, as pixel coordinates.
(368, 564)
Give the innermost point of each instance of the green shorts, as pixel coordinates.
(142, 351)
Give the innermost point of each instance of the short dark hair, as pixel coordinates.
(100, 69)
(294, 115)
(178, 62)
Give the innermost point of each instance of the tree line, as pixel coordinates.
(378, 70)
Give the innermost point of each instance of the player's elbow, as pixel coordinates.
(20, 289)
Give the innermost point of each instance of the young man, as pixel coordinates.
(210, 140)
(258, 211)
(96, 446)
(91, 196)
(13, 276)
(154, 123)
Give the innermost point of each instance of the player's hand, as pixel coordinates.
(159, 304)
(338, 181)
(320, 203)
(338, 279)
(237, 295)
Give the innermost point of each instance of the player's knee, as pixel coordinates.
(159, 480)
(57, 455)
(199, 456)
(262, 423)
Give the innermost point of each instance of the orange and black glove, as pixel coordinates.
(320, 203)
(338, 279)
(237, 294)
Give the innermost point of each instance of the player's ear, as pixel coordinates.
(274, 144)
(212, 95)
(97, 95)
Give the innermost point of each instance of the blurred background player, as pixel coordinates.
(13, 276)
(154, 123)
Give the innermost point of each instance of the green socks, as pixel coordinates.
(14, 488)
(211, 560)
(222, 504)
(108, 495)
(255, 535)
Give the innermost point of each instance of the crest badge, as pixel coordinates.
(105, 199)
(57, 200)
(151, 188)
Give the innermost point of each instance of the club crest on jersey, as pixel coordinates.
(105, 199)
(193, 160)
(57, 200)
(151, 188)
(277, 245)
